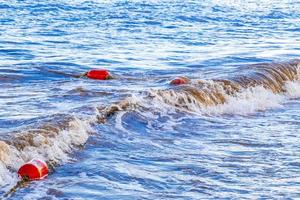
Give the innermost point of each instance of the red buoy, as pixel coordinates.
(179, 81)
(34, 170)
(100, 74)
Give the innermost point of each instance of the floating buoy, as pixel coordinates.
(34, 170)
(179, 81)
(100, 74)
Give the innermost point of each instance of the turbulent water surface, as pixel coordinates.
(231, 133)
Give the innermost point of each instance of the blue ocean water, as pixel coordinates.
(248, 149)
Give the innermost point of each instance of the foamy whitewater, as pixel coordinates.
(53, 149)
(248, 101)
(231, 132)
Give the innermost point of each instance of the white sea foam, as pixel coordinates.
(245, 102)
(248, 101)
(55, 149)
(293, 89)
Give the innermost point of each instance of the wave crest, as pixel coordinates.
(258, 87)
(48, 143)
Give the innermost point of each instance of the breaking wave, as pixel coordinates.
(50, 142)
(245, 102)
(258, 87)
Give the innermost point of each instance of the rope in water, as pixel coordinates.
(23, 182)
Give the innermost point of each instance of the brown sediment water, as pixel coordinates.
(271, 76)
(49, 141)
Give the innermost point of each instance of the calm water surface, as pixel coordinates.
(248, 149)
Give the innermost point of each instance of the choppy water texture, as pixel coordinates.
(158, 148)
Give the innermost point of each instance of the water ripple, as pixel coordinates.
(150, 153)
